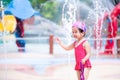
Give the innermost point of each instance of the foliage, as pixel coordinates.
(37, 3)
(6, 2)
(49, 9)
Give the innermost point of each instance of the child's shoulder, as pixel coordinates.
(86, 43)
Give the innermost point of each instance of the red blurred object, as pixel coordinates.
(112, 29)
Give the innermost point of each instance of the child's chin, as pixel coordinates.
(75, 37)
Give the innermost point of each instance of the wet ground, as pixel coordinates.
(32, 66)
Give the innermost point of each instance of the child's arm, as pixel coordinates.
(88, 52)
(63, 45)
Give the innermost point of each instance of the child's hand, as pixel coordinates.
(83, 61)
(57, 40)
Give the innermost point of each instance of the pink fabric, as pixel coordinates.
(80, 25)
(79, 55)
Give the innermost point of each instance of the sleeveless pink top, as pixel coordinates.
(80, 53)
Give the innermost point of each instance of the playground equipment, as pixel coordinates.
(22, 14)
(111, 28)
(9, 24)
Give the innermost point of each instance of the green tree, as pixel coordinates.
(37, 3)
(5, 2)
(49, 9)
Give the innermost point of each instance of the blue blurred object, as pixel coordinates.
(21, 9)
(108, 19)
(111, 41)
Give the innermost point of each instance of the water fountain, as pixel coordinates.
(98, 12)
(68, 17)
(97, 15)
(104, 13)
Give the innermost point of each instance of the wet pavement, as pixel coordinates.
(18, 66)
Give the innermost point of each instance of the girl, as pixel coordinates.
(81, 47)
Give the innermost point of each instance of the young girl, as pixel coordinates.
(81, 47)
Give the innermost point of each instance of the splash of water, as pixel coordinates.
(68, 17)
(98, 13)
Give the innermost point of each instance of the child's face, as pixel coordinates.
(76, 33)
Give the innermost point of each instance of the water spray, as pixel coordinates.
(68, 17)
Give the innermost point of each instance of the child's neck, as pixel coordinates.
(80, 39)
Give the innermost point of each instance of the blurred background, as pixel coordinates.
(27, 48)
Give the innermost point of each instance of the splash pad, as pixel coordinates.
(99, 14)
(112, 28)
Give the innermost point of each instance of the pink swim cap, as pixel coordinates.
(80, 25)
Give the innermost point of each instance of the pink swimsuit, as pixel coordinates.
(79, 55)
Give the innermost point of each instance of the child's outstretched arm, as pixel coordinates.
(69, 47)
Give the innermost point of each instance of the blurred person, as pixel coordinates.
(82, 50)
(19, 34)
(24, 15)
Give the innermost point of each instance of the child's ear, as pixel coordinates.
(83, 33)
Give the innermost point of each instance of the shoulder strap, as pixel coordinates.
(83, 42)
